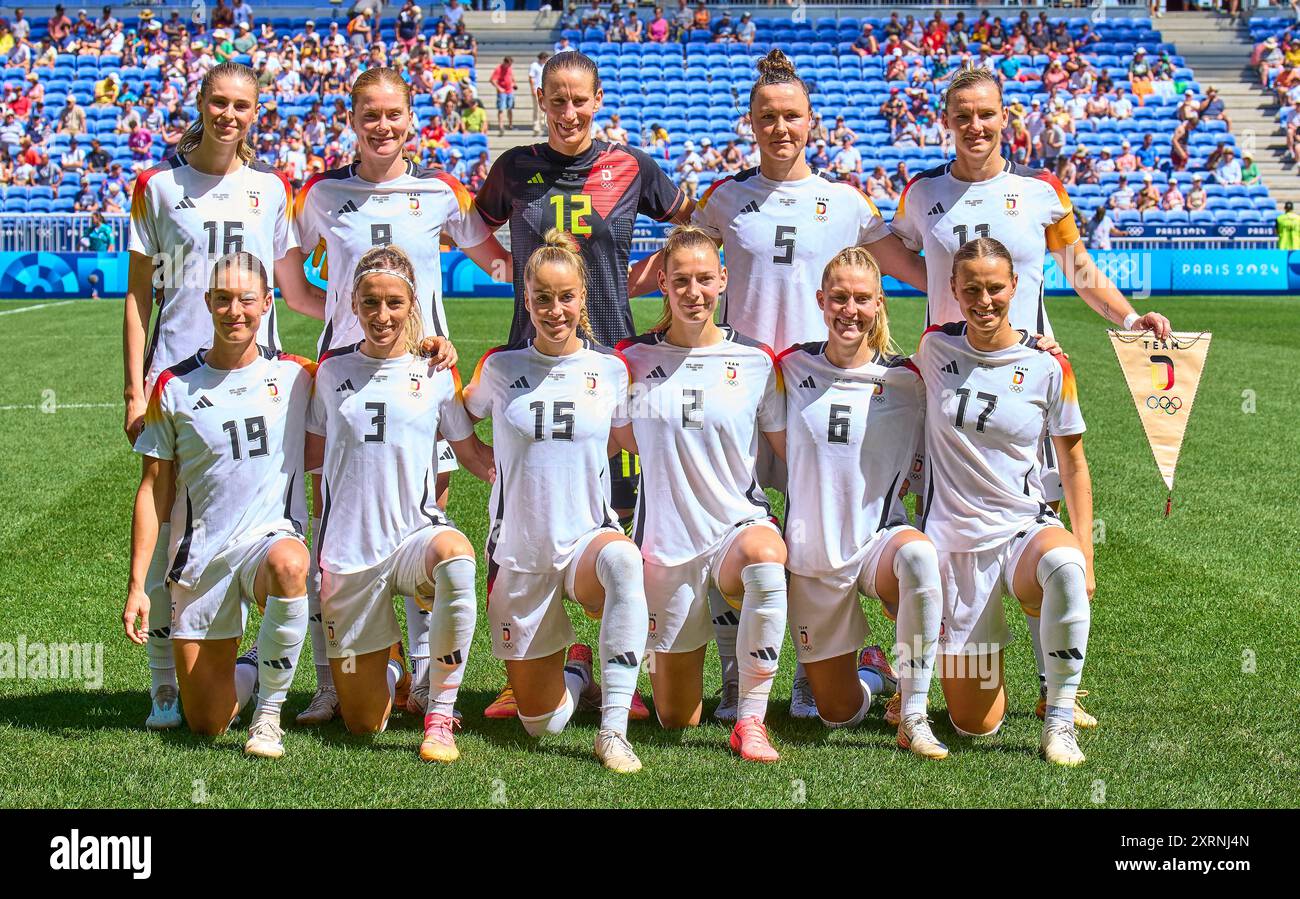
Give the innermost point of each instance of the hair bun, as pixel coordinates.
(557, 237)
(776, 63)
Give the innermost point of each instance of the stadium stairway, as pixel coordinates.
(1219, 53)
(521, 36)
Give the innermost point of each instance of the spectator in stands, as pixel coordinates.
(141, 143)
(633, 28)
(593, 16)
(439, 41)
(563, 45)
(746, 30)
(896, 66)
(408, 24)
(453, 13)
(474, 119)
(1285, 82)
(11, 130)
(878, 185)
(658, 27)
(732, 157)
(6, 166)
(1148, 155)
(503, 79)
(73, 118)
(820, 159)
(59, 26)
(1021, 145)
(1228, 171)
(1197, 198)
(1140, 76)
(478, 172)
(614, 132)
(85, 199)
(700, 19)
(1179, 142)
(744, 128)
(98, 159)
(1126, 161)
(1106, 164)
(689, 167)
(361, 30)
(107, 89)
(1101, 228)
(1053, 143)
(1189, 107)
(656, 136)
(1123, 196)
(1212, 107)
(1268, 58)
(1149, 196)
(1055, 77)
(847, 163)
(866, 43)
(841, 131)
(534, 85)
(682, 19)
(462, 41)
(1084, 173)
(570, 18)
(894, 111)
(709, 155)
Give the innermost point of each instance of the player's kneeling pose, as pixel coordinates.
(991, 395)
(855, 416)
(701, 395)
(553, 535)
(223, 448)
(374, 421)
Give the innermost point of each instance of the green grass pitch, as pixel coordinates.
(1192, 668)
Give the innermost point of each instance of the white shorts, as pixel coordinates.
(357, 608)
(973, 586)
(678, 595)
(217, 607)
(526, 609)
(826, 618)
(446, 458)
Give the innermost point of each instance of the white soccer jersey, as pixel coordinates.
(236, 441)
(380, 419)
(342, 215)
(696, 413)
(853, 444)
(986, 415)
(778, 237)
(1026, 209)
(550, 434)
(191, 220)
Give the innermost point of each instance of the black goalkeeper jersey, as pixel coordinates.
(595, 197)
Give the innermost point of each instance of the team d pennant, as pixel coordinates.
(1163, 376)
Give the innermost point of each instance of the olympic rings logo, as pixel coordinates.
(1166, 404)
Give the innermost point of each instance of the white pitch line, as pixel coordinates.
(57, 406)
(38, 306)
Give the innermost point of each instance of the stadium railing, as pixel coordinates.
(32, 232)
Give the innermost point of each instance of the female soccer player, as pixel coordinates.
(374, 420)
(991, 395)
(553, 535)
(982, 194)
(780, 224)
(701, 395)
(213, 197)
(594, 190)
(855, 414)
(223, 461)
(383, 199)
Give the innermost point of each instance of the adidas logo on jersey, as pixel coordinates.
(537, 179)
(751, 206)
(345, 386)
(936, 209)
(951, 368)
(521, 383)
(203, 403)
(185, 203)
(656, 372)
(349, 206)
(448, 454)
(809, 383)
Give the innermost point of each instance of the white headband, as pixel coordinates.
(385, 271)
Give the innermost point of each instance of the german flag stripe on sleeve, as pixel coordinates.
(478, 369)
(704, 200)
(153, 412)
(304, 362)
(1069, 387)
(464, 199)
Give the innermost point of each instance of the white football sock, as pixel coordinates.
(725, 623)
(450, 631)
(1066, 616)
(315, 626)
(279, 644)
(920, 612)
(857, 717)
(624, 629)
(394, 674)
(1033, 624)
(162, 664)
(245, 678)
(759, 636)
(553, 722)
(417, 642)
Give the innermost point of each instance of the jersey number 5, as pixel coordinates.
(579, 209)
(561, 412)
(785, 243)
(990, 402)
